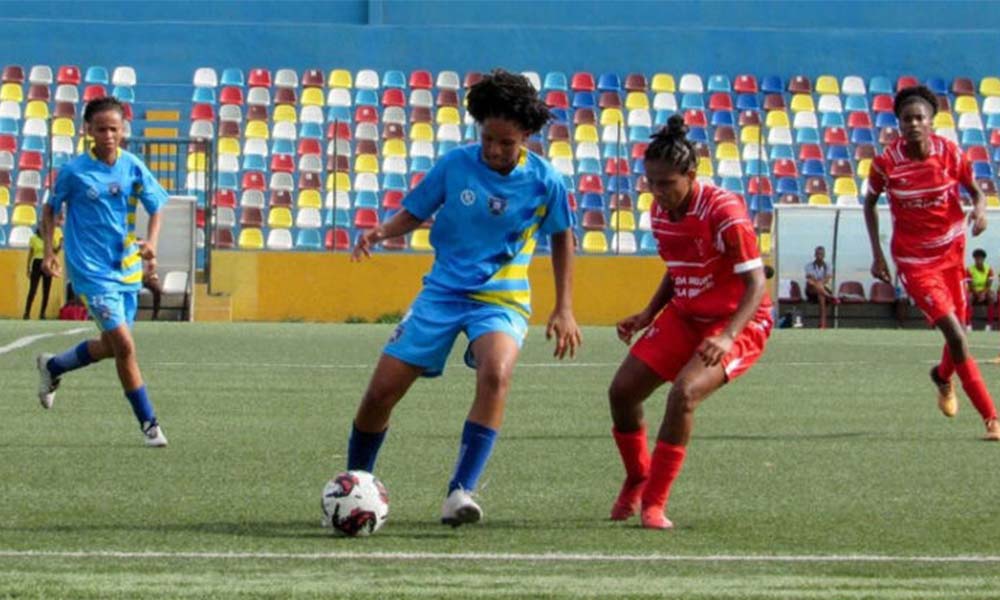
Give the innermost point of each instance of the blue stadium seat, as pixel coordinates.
(8, 126)
(609, 82)
(560, 115)
(366, 98)
(757, 167)
(862, 136)
(831, 119)
(812, 167)
(569, 183)
(3, 238)
(806, 135)
(692, 101)
(366, 199)
(747, 102)
(973, 137)
(421, 164)
(311, 131)
(996, 154)
(589, 165)
(309, 239)
(555, 80)
(619, 184)
(96, 75)
(772, 84)
(982, 170)
(883, 119)
(782, 151)
(698, 134)
(837, 153)
(661, 116)
(937, 85)
(232, 76)
(638, 166)
(123, 93)
(394, 79)
(719, 83)
(733, 184)
(647, 244)
(203, 95)
(639, 133)
(584, 100)
(282, 147)
(394, 181)
(786, 185)
(227, 181)
(339, 218)
(856, 103)
(254, 162)
(722, 117)
(591, 201)
(33, 143)
(880, 85)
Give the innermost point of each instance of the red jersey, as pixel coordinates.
(707, 251)
(928, 225)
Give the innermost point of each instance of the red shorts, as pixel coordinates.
(937, 293)
(671, 341)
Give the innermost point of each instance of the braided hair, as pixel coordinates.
(670, 145)
(99, 105)
(508, 96)
(917, 93)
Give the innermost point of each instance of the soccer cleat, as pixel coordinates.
(653, 518)
(627, 503)
(992, 431)
(47, 384)
(459, 508)
(946, 399)
(995, 360)
(153, 436)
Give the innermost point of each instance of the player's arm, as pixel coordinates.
(712, 349)
(147, 247)
(401, 223)
(562, 323)
(632, 324)
(880, 268)
(50, 264)
(978, 216)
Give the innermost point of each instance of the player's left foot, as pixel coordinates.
(153, 436)
(653, 518)
(992, 431)
(47, 384)
(946, 398)
(627, 503)
(459, 508)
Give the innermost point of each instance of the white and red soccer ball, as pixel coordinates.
(354, 504)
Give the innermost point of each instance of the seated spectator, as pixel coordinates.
(979, 278)
(818, 278)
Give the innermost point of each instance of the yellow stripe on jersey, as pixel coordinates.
(133, 201)
(513, 299)
(131, 260)
(133, 278)
(511, 272)
(130, 239)
(131, 219)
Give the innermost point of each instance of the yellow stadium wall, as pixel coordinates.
(270, 286)
(14, 287)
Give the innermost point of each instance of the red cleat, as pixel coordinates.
(627, 503)
(653, 518)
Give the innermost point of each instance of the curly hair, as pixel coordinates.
(917, 93)
(99, 105)
(670, 144)
(508, 96)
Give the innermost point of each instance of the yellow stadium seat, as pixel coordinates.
(24, 214)
(819, 200)
(196, 161)
(366, 163)
(622, 220)
(36, 109)
(595, 242)
(636, 100)
(421, 240)
(340, 78)
(4, 196)
(990, 86)
(864, 167)
(230, 146)
(612, 116)
(448, 115)
(727, 151)
(663, 82)
(944, 120)
(64, 126)
(422, 132)
(312, 97)
(395, 147)
(764, 242)
(11, 92)
(645, 202)
(285, 113)
(966, 104)
(993, 201)
(845, 186)
(84, 143)
(280, 217)
(827, 84)
(705, 167)
(586, 133)
(561, 150)
(309, 199)
(257, 130)
(803, 103)
(339, 181)
(750, 134)
(777, 118)
(251, 238)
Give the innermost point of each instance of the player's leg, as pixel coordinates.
(33, 277)
(991, 308)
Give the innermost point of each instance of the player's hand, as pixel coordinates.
(978, 220)
(146, 250)
(629, 326)
(51, 267)
(714, 348)
(149, 269)
(562, 325)
(364, 245)
(880, 270)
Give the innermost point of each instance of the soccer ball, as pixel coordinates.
(354, 504)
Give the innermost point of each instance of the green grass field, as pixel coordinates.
(826, 472)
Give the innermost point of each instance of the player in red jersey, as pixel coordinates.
(921, 172)
(705, 325)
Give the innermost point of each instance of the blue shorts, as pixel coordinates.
(427, 333)
(111, 310)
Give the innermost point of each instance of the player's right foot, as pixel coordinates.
(153, 437)
(946, 398)
(992, 431)
(627, 503)
(47, 384)
(459, 508)
(653, 518)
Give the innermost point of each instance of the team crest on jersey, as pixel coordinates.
(92, 193)
(114, 189)
(497, 206)
(468, 197)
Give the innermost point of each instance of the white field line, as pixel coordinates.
(28, 340)
(563, 365)
(503, 557)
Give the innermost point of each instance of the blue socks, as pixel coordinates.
(69, 360)
(477, 444)
(142, 407)
(362, 449)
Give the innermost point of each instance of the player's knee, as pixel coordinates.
(684, 396)
(122, 345)
(619, 392)
(494, 376)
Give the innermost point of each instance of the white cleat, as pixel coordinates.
(47, 384)
(459, 508)
(154, 438)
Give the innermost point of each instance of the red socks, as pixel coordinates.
(972, 383)
(635, 454)
(666, 464)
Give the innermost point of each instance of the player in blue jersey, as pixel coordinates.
(490, 201)
(100, 191)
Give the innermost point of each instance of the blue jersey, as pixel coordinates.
(486, 224)
(101, 252)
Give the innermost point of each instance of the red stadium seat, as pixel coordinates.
(774, 102)
(616, 167)
(591, 183)
(906, 81)
(720, 101)
(851, 292)
(882, 293)
(391, 97)
(222, 238)
(862, 120)
(8, 143)
(620, 201)
(695, 118)
(416, 178)
(366, 147)
(313, 78)
(887, 135)
(199, 218)
(279, 198)
(446, 98)
(944, 103)
(471, 79)
(584, 116)
(231, 95)
(282, 163)
(557, 132)
(93, 92)
(29, 161)
(609, 100)
(392, 200)
(365, 218)
(13, 74)
(259, 78)
(202, 112)
(810, 151)
(224, 198)
(583, 82)
(253, 180)
(556, 99)
(65, 110)
(127, 109)
(835, 136)
(785, 168)
(251, 216)
(366, 114)
(760, 186)
(841, 168)
(393, 131)
(749, 117)
(789, 199)
(994, 138)
(337, 239)
(800, 84)
(257, 112)
(311, 181)
(284, 95)
(636, 82)
(68, 75)
(309, 146)
(864, 151)
(977, 153)
(724, 133)
(421, 80)
(229, 129)
(817, 185)
(25, 195)
(39, 92)
(338, 129)
(745, 84)
(963, 86)
(639, 150)
(421, 114)
(593, 220)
